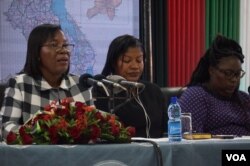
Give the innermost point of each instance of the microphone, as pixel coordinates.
(87, 81)
(117, 87)
(249, 90)
(124, 82)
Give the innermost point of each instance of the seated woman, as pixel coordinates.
(213, 96)
(45, 77)
(146, 109)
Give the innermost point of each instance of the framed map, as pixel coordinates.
(89, 24)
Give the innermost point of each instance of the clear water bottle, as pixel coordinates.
(174, 122)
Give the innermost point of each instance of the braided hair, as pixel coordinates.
(221, 47)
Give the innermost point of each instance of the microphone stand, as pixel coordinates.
(112, 97)
(111, 102)
(112, 108)
(129, 97)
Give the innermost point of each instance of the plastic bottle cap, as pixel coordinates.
(173, 99)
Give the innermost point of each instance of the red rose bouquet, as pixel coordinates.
(71, 123)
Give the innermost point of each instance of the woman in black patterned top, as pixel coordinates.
(213, 96)
(143, 108)
(44, 78)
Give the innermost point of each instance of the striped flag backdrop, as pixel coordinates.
(193, 24)
(186, 38)
(245, 40)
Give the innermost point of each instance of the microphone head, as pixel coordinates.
(123, 81)
(83, 80)
(115, 78)
(99, 77)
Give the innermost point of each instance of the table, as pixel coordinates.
(193, 153)
(200, 152)
(78, 155)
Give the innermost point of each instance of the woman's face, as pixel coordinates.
(225, 77)
(54, 58)
(130, 65)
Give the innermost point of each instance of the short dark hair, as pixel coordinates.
(221, 47)
(38, 36)
(117, 48)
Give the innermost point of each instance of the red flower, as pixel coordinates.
(79, 112)
(79, 104)
(88, 109)
(27, 139)
(115, 130)
(69, 123)
(99, 116)
(53, 134)
(95, 132)
(22, 131)
(112, 119)
(63, 112)
(131, 131)
(47, 108)
(75, 133)
(81, 122)
(44, 117)
(11, 138)
(62, 124)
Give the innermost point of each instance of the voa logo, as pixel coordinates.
(236, 157)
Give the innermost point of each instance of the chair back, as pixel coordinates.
(2, 89)
(169, 92)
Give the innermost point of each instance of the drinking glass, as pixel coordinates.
(186, 122)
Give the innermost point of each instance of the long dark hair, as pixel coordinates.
(117, 48)
(38, 36)
(220, 47)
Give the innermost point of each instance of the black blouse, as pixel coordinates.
(132, 114)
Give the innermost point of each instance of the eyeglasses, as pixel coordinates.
(229, 74)
(67, 46)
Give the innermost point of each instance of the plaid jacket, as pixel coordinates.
(24, 96)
